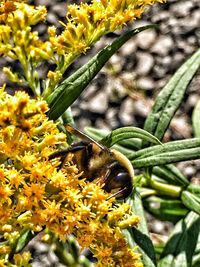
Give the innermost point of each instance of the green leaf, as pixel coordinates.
(168, 157)
(196, 257)
(141, 234)
(196, 120)
(171, 174)
(173, 146)
(194, 188)
(126, 133)
(70, 89)
(167, 261)
(170, 98)
(24, 239)
(180, 247)
(165, 209)
(191, 201)
(127, 145)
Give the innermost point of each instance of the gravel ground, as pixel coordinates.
(122, 93)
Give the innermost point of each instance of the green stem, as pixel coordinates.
(51, 84)
(166, 189)
(64, 256)
(146, 192)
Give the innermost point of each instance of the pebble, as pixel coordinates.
(115, 89)
(145, 83)
(144, 64)
(60, 9)
(181, 8)
(141, 108)
(163, 45)
(126, 112)
(53, 19)
(181, 127)
(190, 23)
(97, 104)
(116, 62)
(146, 39)
(177, 59)
(128, 48)
(110, 116)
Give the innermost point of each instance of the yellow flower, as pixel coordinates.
(22, 259)
(19, 42)
(36, 193)
(85, 24)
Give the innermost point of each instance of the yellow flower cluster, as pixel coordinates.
(35, 193)
(85, 24)
(19, 42)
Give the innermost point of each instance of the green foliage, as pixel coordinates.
(70, 89)
(170, 98)
(166, 192)
(196, 120)
(181, 245)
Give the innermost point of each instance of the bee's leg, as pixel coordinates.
(118, 194)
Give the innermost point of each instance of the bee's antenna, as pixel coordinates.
(82, 136)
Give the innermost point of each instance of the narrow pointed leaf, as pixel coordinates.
(165, 209)
(141, 234)
(171, 174)
(196, 120)
(170, 98)
(129, 144)
(181, 245)
(126, 133)
(172, 146)
(167, 158)
(191, 201)
(70, 89)
(24, 239)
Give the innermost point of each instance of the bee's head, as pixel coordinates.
(119, 179)
(124, 161)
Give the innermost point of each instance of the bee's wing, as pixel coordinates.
(82, 136)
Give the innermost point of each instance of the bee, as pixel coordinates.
(108, 167)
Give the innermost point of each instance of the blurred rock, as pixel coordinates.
(128, 48)
(181, 8)
(145, 63)
(141, 107)
(126, 112)
(145, 39)
(145, 83)
(163, 45)
(97, 104)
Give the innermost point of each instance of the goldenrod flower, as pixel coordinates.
(19, 42)
(84, 25)
(36, 194)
